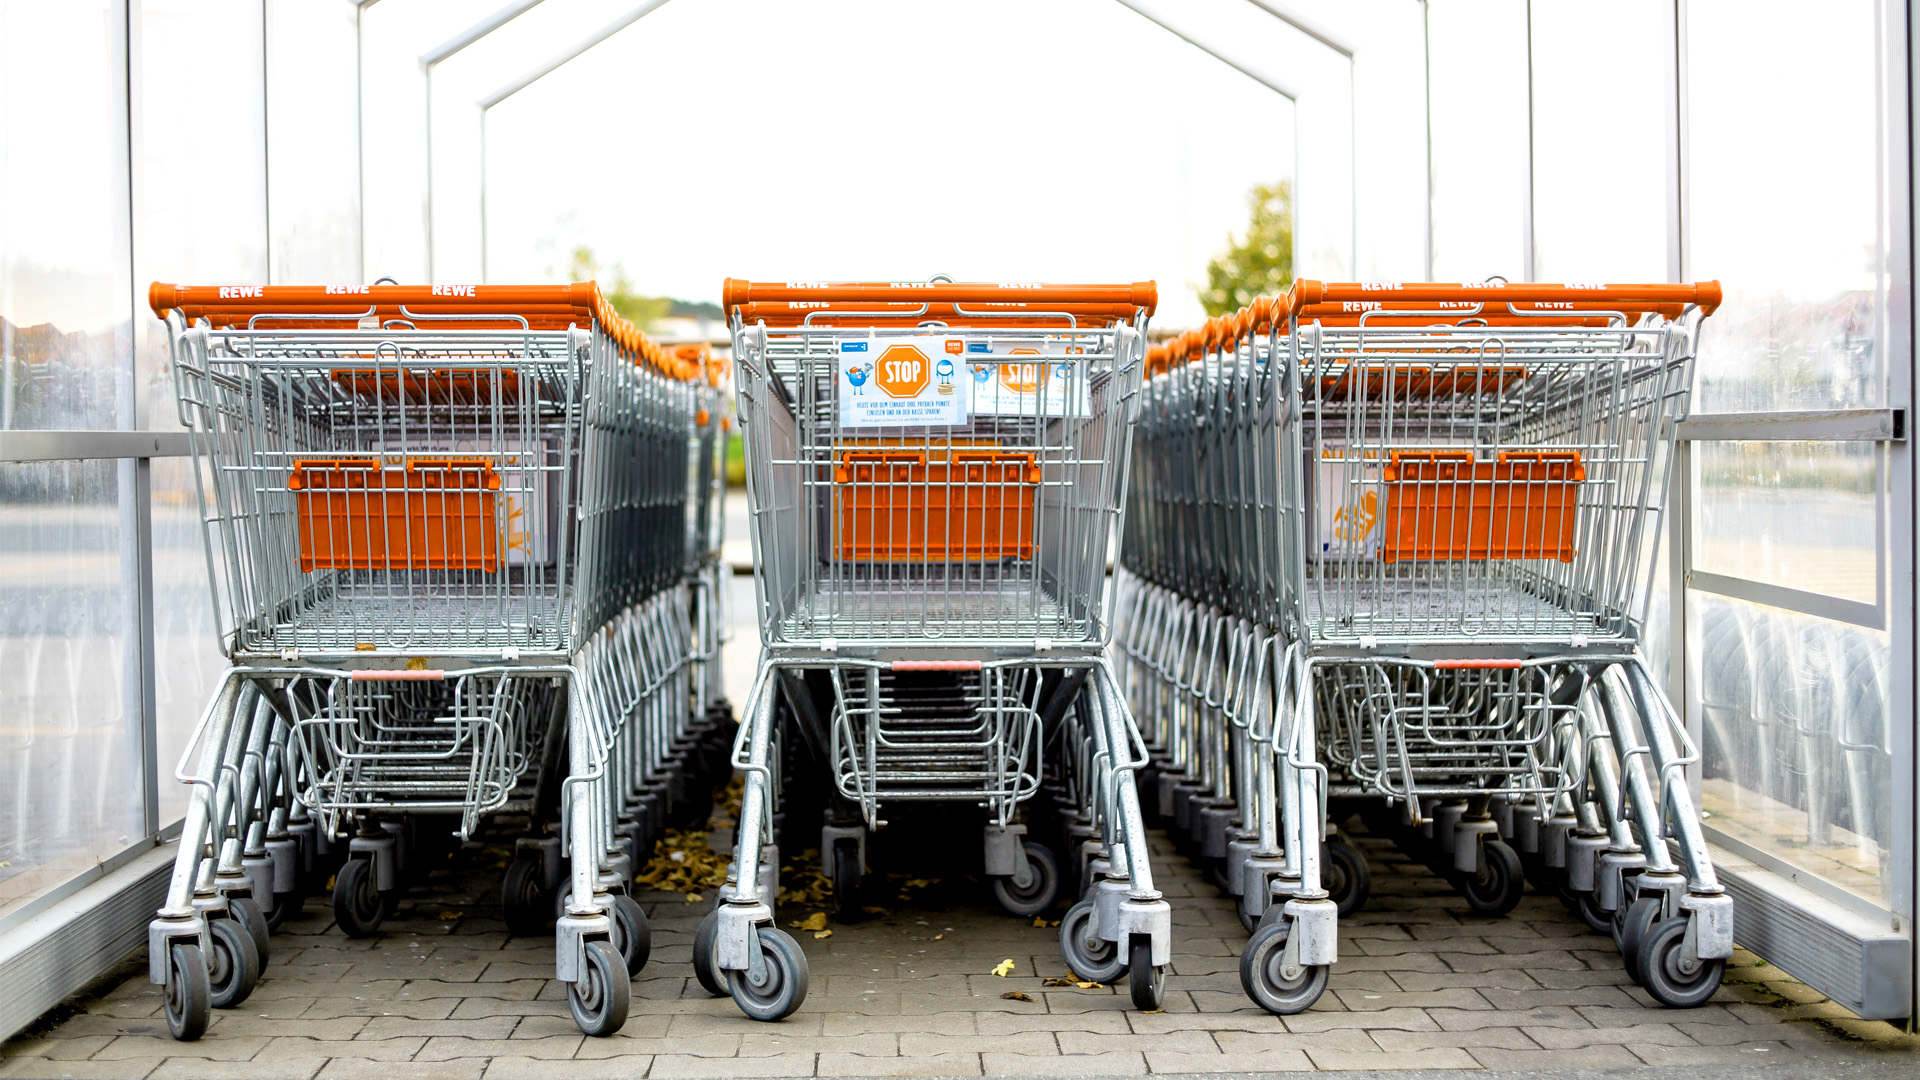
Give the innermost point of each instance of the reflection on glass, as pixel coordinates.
(1792, 236)
(1795, 717)
(186, 647)
(69, 767)
(1802, 515)
(64, 300)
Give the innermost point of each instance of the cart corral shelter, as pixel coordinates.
(1677, 526)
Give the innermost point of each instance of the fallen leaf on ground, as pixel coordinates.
(1088, 985)
(694, 898)
(815, 921)
(1015, 995)
(937, 937)
(818, 934)
(449, 916)
(1039, 920)
(1004, 968)
(1056, 982)
(873, 911)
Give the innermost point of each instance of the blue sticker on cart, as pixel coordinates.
(979, 346)
(853, 346)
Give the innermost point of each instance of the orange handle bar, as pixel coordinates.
(1306, 291)
(584, 295)
(735, 292)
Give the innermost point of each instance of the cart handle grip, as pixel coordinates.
(1479, 665)
(1705, 294)
(404, 675)
(934, 665)
(735, 292)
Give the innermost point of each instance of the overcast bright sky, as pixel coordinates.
(1015, 139)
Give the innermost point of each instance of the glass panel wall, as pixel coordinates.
(1793, 710)
(1477, 53)
(70, 762)
(203, 220)
(313, 162)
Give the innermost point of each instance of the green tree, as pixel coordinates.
(633, 307)
(1259, 263)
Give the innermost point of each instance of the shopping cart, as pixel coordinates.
(934, 470)
(438, 520)
(1440, 500)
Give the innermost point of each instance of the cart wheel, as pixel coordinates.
(1249, 923)
(783, 984)
(1039, 893)
(599, 1000)
(632, 934)
(523, 898)
(358, 906)
(704, 969)
(246, 911)
(285, 906)
(1598, 919)
(1146, 984)
(847, 873)
(1497, 887)
(1668, 976)
(234, 968)
(1631, 931)
(1096, 959)
(189, 995)
(1263, 974)
(1345, 875)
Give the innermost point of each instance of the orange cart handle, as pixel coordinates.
(1139, 294)
(163, 297)
(1705, 294)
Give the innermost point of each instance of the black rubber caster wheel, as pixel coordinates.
(632, 933)
(1631, 931)
(234, 968)
(1496, 888)
(188, 992)
(704, 969)
(1042, 888)
(1669, 976)
(523, 898)
(1264, 976)
(783, 978)
(358, 906)
(1146, 984)
(847, 874)
(246, 911)
(1092, 958)
(1345, 875)
(600, 998)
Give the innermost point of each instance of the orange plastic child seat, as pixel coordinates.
(897, 506)
(1442, 504)
(428, 514)
(445, 386)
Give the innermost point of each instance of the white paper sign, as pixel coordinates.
(902, 382)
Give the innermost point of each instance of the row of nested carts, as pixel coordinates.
(1362, 550)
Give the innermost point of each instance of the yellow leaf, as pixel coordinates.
(815, 921)
(1039, 920)
(694, 898)
(1088, 985)
(818, 934)
(937, 937)
(1004, 968)
(1015, 995)
(1056, 982)
(449, 916)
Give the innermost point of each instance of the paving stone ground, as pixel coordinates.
(1422, 984)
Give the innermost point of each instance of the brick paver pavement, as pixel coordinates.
(1421, 985)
